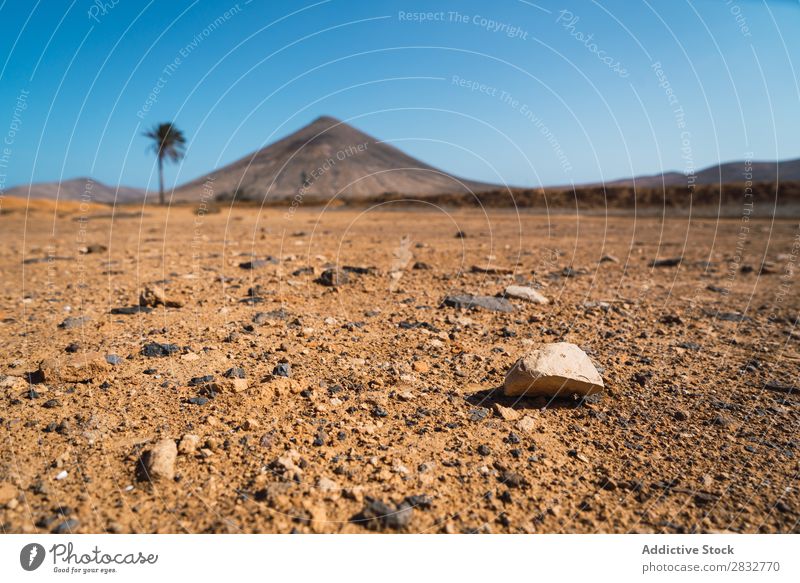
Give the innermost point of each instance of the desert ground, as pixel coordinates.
(369, 406)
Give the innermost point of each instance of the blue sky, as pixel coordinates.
(505, 91)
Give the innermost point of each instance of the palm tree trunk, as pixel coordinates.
(160, 179)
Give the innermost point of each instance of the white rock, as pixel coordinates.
(558, 369)
(159, 461)
(62, 475)
(189, 443)
(526, 293)
(327, 485)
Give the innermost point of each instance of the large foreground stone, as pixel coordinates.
(559, 369)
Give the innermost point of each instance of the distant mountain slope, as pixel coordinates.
(730, 172)
(86, 189)
(323, 159)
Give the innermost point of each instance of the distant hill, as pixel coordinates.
(78, 189)
(728, 173)
(324, 159)
(328, 158)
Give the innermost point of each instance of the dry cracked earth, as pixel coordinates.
(367, 405)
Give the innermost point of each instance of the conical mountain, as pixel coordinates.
(324, 159)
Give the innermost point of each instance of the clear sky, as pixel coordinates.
(513, 91)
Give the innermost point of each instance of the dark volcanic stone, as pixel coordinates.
(780, 387)
(131, 310)
(469, 302)
(478, 414)
(258, 263)
(284, 369)
(358, 270)
(234, 373)
(158, 350)
(198, 400)
(66, 527)
(203, 380)
(333, 277)
(671, 262)
(377, 515)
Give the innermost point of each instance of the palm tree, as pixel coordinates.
(168, 142)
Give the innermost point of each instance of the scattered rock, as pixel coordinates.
(608, 259)
(7, 493)
(327, 485)
(234, 373)
(470, 302)
(158, 463)
(258, 263)
(377, 515)
(491, 270)
(333, 277)
(506, 413)
(283, 369)
(153, 295)
(74, 322)
(202, 380)
(76, 368)
(66, 527)
(131, 310)
(558, 369)
(94, 248)
(420, 366)
(188, 444)
(670, 262)
(419, 265)
(779, 387)
(159, 350)
(526, 293)
(721, 420)
(526, 424)
(680, 415)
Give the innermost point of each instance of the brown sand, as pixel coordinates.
(392, 396)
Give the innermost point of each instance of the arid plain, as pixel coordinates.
(369, 406)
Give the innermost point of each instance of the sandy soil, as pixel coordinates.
(391, 397)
